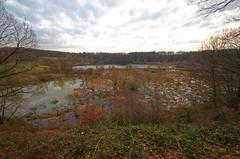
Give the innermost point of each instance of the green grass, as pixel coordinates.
(107, 139)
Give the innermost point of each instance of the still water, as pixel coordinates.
(140, 66)
(47, 96)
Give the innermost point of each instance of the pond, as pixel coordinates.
(47, 96)
(139, 66)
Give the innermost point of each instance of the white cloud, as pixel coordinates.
(117, 25)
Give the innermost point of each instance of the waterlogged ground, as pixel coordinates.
(47, 96)
(60, 102)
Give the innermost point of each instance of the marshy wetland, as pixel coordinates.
(59, 102)
(148, 112)
(119, 79)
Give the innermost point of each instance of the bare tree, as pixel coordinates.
(222, 66)
(14, 35)
(210, 63)
(223, 70)
(232, 38)
(208, 7)
(230, 69)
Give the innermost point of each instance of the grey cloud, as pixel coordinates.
(162, 15)
(192, 21)
(37, 10)
(150, 15)
(194, 41)
(206, 25)
(109, 3)
(51, 9)
(145, 15)
(188, 24)
(48, 42)
(187, 42)
(85, 17)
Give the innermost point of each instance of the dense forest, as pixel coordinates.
(122, 58)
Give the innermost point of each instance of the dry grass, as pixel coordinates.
(90, 114)
(76, 94)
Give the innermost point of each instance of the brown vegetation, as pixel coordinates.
(91, 114)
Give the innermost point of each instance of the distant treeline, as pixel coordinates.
(122, 58)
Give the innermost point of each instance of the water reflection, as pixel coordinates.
(45, 97)
(140, 66)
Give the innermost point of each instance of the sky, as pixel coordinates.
(118, 25)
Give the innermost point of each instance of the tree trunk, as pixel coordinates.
(214, 86)
(238, 100)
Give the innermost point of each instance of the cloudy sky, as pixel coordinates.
(118, 25)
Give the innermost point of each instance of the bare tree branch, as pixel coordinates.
(226, 73)
(208, 7)
(14, 34)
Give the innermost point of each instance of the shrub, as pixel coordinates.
(132, 86)
(91, 114)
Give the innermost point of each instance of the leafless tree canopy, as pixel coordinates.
(227, 39)
(221, 70)
(14, 35)
(212, 6)
(232, 38)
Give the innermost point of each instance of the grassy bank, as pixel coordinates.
(109, 140)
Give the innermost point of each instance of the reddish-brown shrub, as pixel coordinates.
(75, 95)
(91, 114)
